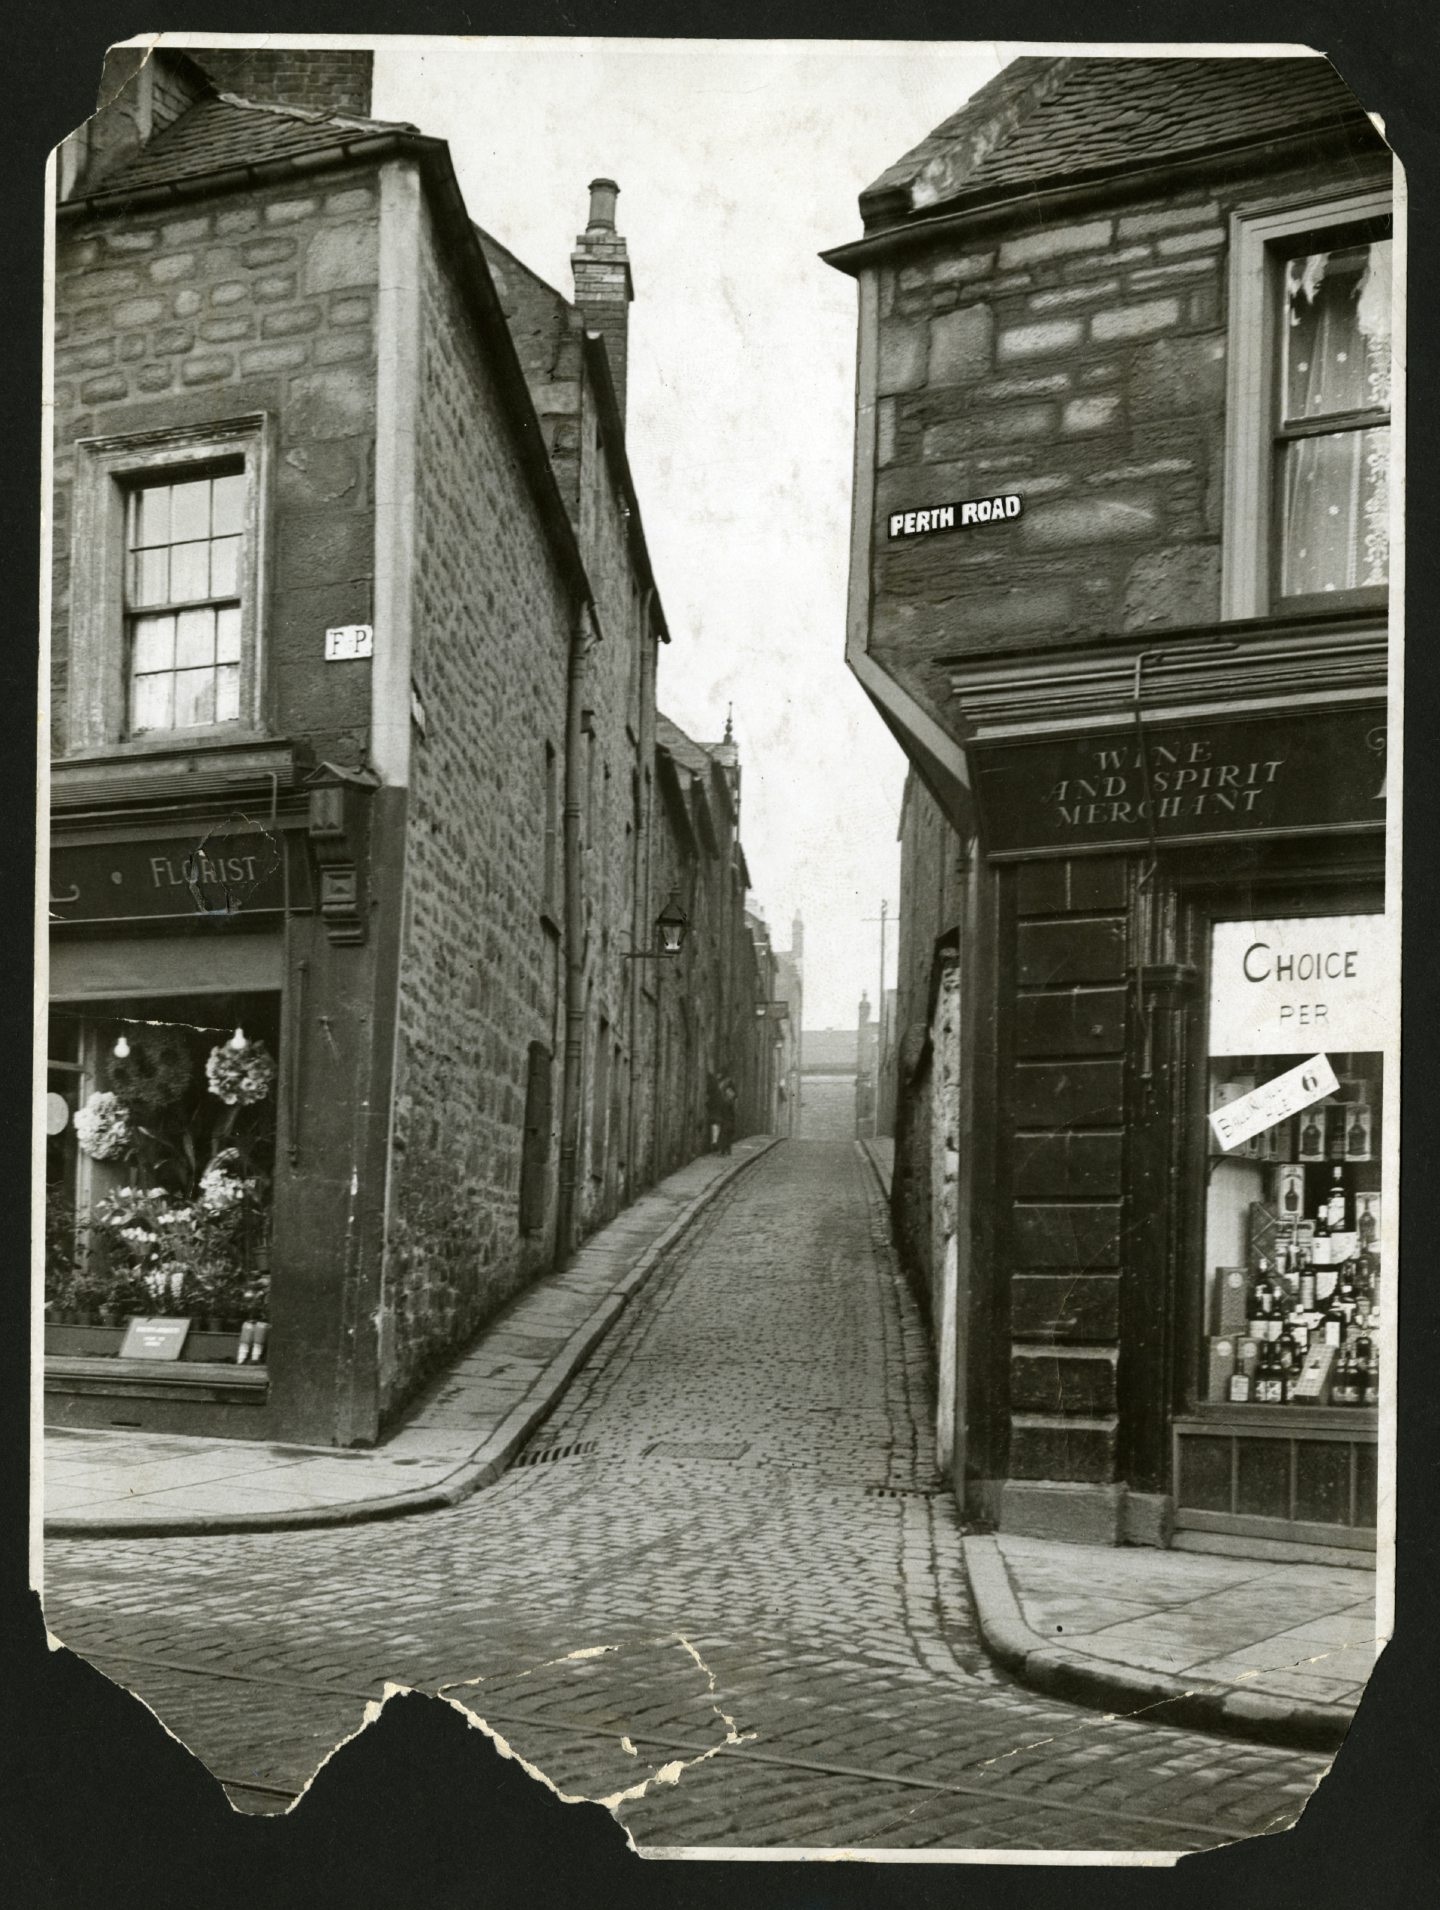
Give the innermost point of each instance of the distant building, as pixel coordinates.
(790, 989)
(830, 1081)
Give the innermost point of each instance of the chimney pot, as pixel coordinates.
(603, 194)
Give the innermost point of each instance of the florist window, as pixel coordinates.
(161, 1118)
(1294, 1196)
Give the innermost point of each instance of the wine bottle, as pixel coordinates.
(1344, 1390)
(1370, 1375)
(1307, 1283)
(1287, 1366)
(1335, 1204)
(1269, 1379)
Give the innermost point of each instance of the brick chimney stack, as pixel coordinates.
(320, 79)
(603, 286)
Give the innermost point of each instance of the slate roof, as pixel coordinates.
(223, 133)
(688, 753)
(1044, 120)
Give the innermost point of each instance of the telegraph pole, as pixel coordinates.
(882, 918)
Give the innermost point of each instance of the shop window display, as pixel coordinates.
(160, 1162)
(1294, 1194)
(1293, 1242)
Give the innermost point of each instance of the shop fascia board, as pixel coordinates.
(137, 773)
(1235, 669)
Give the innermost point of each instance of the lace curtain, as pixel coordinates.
(1336, 360)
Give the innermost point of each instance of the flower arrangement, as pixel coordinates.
(151, 1072)
(169, 1255)
(187, 1232)
(240, 1072)
(103, 1127)
(223, 1187)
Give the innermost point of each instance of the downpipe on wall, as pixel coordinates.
(572, 1083)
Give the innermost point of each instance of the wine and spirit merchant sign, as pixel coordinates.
(1285, 774)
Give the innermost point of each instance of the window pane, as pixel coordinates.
(152, 515)
(1336, 335)
(224, 567)
(227, 505)
(190, 510)
(150, 702)
(227, 634)
(194, 638)
(150, 576)
(227, 694)
(1335, 512)
(189, 572)
(154, 639)
(194, 698)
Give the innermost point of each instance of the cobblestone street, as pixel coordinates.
(728, 1545)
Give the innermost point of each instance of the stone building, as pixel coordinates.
(789, 988)
(353, 817)
(829, 1079)
(701, 1009)
(1119, 585)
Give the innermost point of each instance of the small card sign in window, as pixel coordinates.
(1276, 1101)
(349, 641)
(154, 1339)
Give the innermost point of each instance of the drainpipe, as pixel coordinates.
(575, 940)
(640, 895)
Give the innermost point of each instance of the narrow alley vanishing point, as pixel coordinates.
(734, 1508)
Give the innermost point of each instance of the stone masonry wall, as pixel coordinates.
(929, 909)
(1082, 365)
(615, 684)
(480, 974)
(217, 309)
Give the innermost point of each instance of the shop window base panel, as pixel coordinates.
(1286, 1551)
(1345, 1538)
(1303, 1474)
(187, 1382)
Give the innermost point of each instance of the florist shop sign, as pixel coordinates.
(212, 875)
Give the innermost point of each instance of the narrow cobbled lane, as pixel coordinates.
(728, 1539)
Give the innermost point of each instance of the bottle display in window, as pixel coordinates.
(1293, 1245)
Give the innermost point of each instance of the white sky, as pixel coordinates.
(736, 165)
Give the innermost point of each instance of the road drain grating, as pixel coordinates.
(551, 1453)
(902, 1492)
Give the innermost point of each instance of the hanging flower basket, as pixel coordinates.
(102, 1127)
(240, 1072)
(153, 1073)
